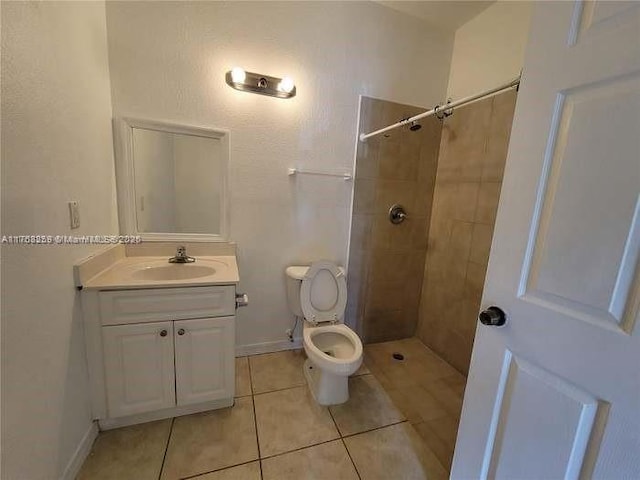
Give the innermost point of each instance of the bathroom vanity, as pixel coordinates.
(160, 337)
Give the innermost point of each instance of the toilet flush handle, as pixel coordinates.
(242, 300)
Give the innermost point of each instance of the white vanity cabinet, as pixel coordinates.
(200, 344)
(159, 352)
(138, 367)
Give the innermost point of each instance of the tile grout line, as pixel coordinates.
(377, 428)
(166, 448)
(334, 422)
(255, 417)
(350, 458)
(295, 386)
(278, 389)
(300, 448)
(344, 444)
(195, 476)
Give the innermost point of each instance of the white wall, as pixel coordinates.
(168, 61)
(56, 146)
(489, 49)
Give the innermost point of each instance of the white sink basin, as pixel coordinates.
(155, 271)
(173, 271)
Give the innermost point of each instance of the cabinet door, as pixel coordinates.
(139, 367)
(205, 360)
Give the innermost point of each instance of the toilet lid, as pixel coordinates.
(323, 294)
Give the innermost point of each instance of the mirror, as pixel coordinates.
(172, 180)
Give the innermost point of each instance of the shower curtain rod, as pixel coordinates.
(443, 108)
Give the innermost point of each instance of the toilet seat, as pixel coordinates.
(317, 312)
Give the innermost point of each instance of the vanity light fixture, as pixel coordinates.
(262, 84)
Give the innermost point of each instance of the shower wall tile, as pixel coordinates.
(386, 261)
(423, 199)
(474, 281)
(463, 141)
(420, 233)
(389, 192)
(470, 165)
(367, 160)
(361, 231)
(406, 236)
(481, 243)
(371, 115)
(391, 267)
(488, 197)
(398, 160)
(498, 139)
(364, 195)
(391, 325)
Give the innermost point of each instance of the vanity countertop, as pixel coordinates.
(119, 268)
(154, 272)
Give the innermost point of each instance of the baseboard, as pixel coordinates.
(82, 451)
(268, 347)
(109, 423)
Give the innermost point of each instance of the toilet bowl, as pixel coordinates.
(319, 295)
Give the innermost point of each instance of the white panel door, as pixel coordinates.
(555, 393)
(139, 367)
(205, 360)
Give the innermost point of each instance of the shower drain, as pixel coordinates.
(397, 356)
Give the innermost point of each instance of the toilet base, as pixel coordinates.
(326, 388)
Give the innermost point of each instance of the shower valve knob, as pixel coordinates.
(493, 317)
(397, 214)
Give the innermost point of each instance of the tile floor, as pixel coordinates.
(399, 423)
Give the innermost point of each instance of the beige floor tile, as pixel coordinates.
(368, 407)
(393, 452)
(448, 397)
(420, 365)
(457, 383)
(321, 462)
(211, 440)
(291, 419)
(442, 451)
(243, 379)
(248, 471)
(363, 370)
(276, 371)
(446, 428)
(134, 453)
(416, 404)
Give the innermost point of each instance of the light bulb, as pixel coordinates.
(238, 75)
(286, 85)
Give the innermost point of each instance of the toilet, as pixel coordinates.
(318, 294)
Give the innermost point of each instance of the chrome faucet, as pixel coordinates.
(181, 256)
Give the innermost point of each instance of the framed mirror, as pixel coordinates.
(171, 180)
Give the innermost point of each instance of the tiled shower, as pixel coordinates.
(386, 261)
(425, 276)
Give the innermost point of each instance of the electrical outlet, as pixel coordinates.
(74, 214)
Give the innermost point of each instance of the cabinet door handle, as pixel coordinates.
(163, 333)
(181, 331)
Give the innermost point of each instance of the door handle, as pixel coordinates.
(493, 317)
(181, 331)
(163, 333)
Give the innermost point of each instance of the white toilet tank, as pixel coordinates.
(295, 274)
